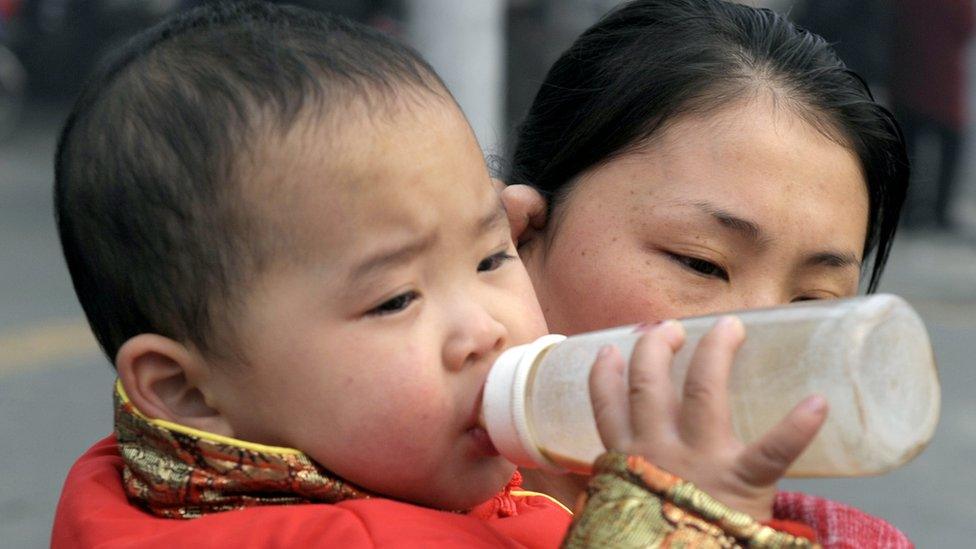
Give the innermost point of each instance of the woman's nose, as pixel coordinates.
(473, 335)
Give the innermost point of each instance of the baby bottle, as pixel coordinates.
(870, 357)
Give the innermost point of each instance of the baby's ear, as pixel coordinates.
(163, 379)
(526, 210)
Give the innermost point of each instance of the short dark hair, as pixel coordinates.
(649, 62)
(148, 170)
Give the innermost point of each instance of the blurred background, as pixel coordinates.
(916, 54)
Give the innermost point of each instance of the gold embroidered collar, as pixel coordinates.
(178, 472)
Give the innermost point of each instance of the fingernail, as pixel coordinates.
(730, 322)
(646, 326)
(815, 404)
(604, 351)
(669, 324)
(672, 329)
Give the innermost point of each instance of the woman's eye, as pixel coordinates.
(395, 304)
(495, 261)
(700, 266)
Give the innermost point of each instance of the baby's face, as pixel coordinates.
(368, 349)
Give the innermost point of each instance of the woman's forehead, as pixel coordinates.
(758, 167)
(755, 146)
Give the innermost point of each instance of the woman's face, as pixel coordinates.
(748, 207)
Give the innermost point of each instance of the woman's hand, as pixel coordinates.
(526, 210)
(691, 436)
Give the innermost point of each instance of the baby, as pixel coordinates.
(283, 232)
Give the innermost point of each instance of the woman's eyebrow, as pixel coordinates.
(834, 259)
(753, 232)
(744, 227)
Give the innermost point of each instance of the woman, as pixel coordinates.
(686, 157)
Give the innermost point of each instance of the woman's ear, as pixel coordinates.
(162, 379)
(526, 210)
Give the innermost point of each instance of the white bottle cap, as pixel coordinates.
(503, 404)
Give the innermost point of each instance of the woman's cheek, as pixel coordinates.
(601, 288)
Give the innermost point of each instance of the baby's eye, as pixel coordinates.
(701, 266)
(494, 261)
(394, 305)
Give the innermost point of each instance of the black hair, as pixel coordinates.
(153, 222)
(649, 62)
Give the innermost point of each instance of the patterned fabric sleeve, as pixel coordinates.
(839, 526)
(632, 503)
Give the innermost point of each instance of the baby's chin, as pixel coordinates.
(465, 492)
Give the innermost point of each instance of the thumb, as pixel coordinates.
(766, 460)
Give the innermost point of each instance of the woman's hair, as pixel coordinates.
(649, 62)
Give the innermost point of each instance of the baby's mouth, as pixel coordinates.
(482, 441)
(477, 429)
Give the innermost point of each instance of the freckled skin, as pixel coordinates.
(646, 242)
(608, 257)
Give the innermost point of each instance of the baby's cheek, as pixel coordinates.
(527, 323)
(414, 398)
(413, 421)
(415, 388)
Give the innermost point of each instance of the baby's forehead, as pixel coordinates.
(355, 140)
(410, 165)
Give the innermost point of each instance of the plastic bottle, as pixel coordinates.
(870, 357)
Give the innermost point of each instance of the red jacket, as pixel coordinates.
(94, 512)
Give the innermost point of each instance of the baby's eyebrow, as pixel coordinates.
(492, 219)
(393, 256)
(403, 253)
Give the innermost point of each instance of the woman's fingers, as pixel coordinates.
(608, 394)
(526, 210)
(766, 460)
(705, 417)
(651, 394)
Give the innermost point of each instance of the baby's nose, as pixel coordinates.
(475, 337)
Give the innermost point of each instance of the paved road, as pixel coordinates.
(54, 386)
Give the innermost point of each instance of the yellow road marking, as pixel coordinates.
(35, 347)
